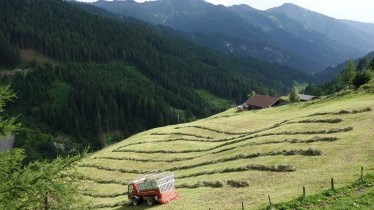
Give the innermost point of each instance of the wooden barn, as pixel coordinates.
(304, 97)
(260, 102)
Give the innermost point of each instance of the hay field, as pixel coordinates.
(224, 160)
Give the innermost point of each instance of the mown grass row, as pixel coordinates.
(95, 195)
(113, 205)
(304, 152)
(105, 168)
(292, 141)
(102, 181)
(237, 184)
(212, 184)
(342, 112)
(335, 120)
(286, 122)
(251, 167)
(237, 139)
(182, 134)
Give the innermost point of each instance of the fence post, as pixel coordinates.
(304, 191)
(332, 184)
(46, 202)
(362, 173)
(269, 200)
(242, 205)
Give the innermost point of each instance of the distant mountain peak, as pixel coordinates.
(288, 7)
(244, 6)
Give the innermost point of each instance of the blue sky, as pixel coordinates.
(360, 10)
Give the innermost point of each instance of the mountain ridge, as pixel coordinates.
(265, 28)
(328, 26)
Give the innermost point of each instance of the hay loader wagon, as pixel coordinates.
(152, 188)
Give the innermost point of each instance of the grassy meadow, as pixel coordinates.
(273, 151)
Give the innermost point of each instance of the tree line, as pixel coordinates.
(350, 76)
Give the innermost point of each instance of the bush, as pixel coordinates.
(362, 78)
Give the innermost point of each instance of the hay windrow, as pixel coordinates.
(237, 184)
(252, 167)
(342, 112)
(239, 139)
(212, 184)
(292, 141)
(182, 134)
(307, 152)
(95, 195)
(102, 181)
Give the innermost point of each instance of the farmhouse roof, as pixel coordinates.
(304, 97)
(261, 101)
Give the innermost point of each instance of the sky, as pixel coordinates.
(359, 10)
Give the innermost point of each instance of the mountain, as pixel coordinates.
(330, 72)
(365, 27)
(330, 27)
(241, 48)
(242, 27)
(284, 148)
(113, 77)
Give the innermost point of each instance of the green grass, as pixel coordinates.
(359, 195)
(253, 154)
(213, 101)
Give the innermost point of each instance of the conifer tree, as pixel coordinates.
(348, 74)
(362, 64)
(371, 65)
(39, 184)
(294, 96)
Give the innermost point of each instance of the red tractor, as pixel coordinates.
(152, 188)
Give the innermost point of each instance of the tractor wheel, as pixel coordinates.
(135, 201)
(151, 200)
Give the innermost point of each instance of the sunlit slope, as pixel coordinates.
(275, 151)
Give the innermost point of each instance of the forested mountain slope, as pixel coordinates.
(123, 76)
(244, 27)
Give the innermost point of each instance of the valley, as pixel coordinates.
(248, 108)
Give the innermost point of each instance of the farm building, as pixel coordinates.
(304, 97)
(259, 102)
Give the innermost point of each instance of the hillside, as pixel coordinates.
(272, 152)
(261, 32)
(358, 195)
(110, 75)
